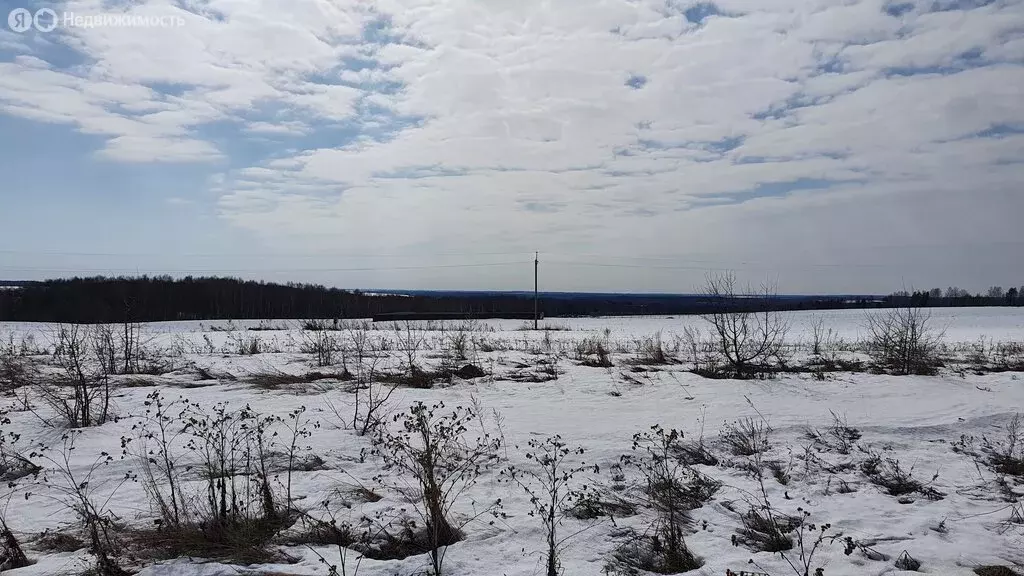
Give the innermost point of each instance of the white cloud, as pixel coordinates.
(526, 128)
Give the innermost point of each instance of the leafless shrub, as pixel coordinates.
(118, 348)
(1007, 455)
(14, 465)
(692, 452)
(902, 340)
(245, 462)
(907, 562)
(371, 401)
(323, 344)
(12, 556)
(839, 437)
(818, 335)
(356, 539)
(244, 344)
(159, 432)
(81, 393)
(766, 530)
(593, 351)
(746, 437)
(371, 406)
(233, 449)
(809, 539)
(747, 340)
(410, 339)
(651, 350)
(672, 489)
(700, 352)
(78, 491)
(13, 370)
(825, 347)
(1009, 356)
(58, 542)
(460, 342)
(865, 547)
(432, 448)
(1003, 455)
(274, 379)
(890, 475)
(553, 489)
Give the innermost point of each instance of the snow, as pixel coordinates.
(914, 419)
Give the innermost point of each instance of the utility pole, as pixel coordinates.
(536, 263)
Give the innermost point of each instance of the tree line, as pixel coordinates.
(955, 296)
(163, 298)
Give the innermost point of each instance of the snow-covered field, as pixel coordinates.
(971, 519)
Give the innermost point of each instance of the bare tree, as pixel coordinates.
(747, 330)
(903, 341)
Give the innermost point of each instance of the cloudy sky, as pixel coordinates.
(832, 145)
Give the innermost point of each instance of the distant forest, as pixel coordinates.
(161, 298)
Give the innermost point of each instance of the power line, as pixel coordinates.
(262, 270)
(256, 254)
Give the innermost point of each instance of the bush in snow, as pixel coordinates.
(432, 447)
(244, 461)
(748, 333)
(896, 480)
(593, 351)
(553, 489)
(902, 340)
(746, 437)
(323, 344)
(79, 491)
(13, 466)
(81, 392)
(13, 372)
(652, 350)
(671, 489)
(1004, 455)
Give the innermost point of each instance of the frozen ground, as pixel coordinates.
(915, 420)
